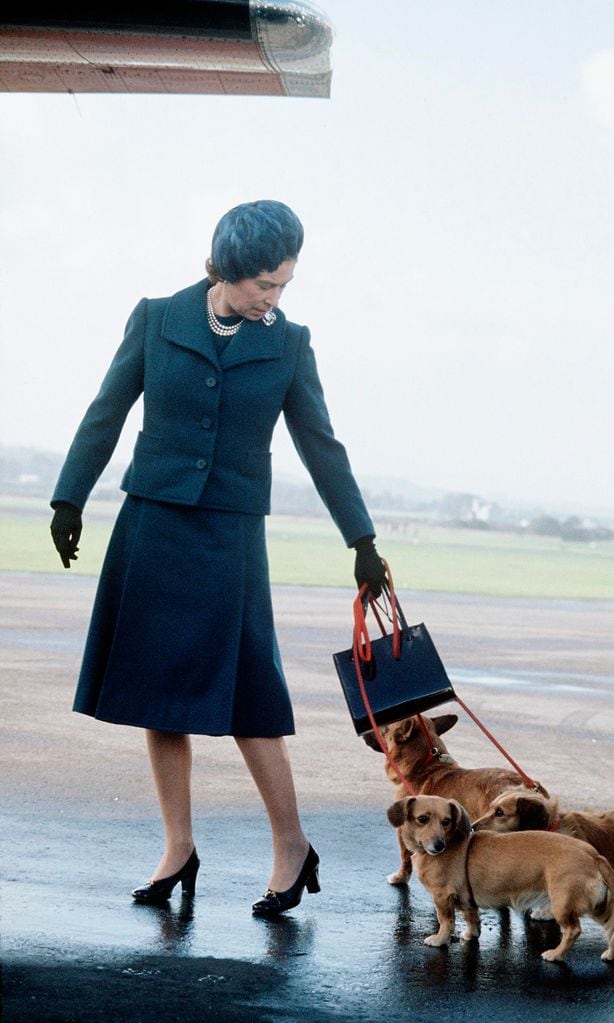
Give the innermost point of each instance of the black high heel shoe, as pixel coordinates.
(273, 903)
(160, 891)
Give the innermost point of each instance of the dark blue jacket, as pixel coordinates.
(208, 420)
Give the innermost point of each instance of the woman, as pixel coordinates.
(182, 638)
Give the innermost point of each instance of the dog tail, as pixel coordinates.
(605, 909)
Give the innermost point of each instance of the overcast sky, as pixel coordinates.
(457, 193)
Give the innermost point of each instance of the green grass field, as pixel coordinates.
(310, 552)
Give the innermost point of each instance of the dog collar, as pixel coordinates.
(433, 754)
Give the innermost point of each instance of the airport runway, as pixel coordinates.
(80, 828)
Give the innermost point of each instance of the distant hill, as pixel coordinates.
(412, 495)
(30, 472)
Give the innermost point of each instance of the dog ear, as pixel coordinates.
(444, 722)
(404, 730)
(532, 814)
(461, 825)
(399, 811)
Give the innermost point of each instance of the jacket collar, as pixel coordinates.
(185, 324)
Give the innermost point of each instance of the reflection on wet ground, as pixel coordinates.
(81, 829)
(73, 938)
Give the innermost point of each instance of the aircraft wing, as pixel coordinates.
(219, 47)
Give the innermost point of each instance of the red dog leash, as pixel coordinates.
(362, 655)
(529, 782)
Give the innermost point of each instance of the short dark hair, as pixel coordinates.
(254, 238)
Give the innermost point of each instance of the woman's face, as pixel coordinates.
(252, 297)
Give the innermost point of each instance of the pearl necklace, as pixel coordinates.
(221, 329)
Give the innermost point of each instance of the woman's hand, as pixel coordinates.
(66, 526)
(369, 567)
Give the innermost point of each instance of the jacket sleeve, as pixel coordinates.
(321, 453)
(99, 430)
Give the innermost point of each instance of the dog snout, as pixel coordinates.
(369, 739)
(435, 846)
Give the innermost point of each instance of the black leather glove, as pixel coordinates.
(66, 526)
(369, 567)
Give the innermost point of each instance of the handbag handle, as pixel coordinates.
(364, 599)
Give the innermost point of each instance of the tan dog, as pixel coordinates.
(432, 771)
(491, 871)
(520, 810)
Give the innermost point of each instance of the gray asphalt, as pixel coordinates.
(80, 829)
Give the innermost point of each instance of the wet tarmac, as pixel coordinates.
(80, 829)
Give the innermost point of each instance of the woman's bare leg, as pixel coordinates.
(269, 766)
(170, 755)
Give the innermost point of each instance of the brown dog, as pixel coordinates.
(491, 871)
(520, 810)
(432, 771)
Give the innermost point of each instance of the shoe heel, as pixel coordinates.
(188, 886)
(313, 883)
(188, 882)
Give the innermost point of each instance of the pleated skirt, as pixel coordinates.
(182, 637)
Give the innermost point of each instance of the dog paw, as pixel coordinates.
(551, 955)
(435, 941)
(608, 955)
(545, 913)
(399, 878)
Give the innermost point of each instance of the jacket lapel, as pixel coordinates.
(254, 342)
(185, 323)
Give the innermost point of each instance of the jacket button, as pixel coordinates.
(201, 463)
(206, 422)
(211, 381)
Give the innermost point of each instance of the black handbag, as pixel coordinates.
(394, 676)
